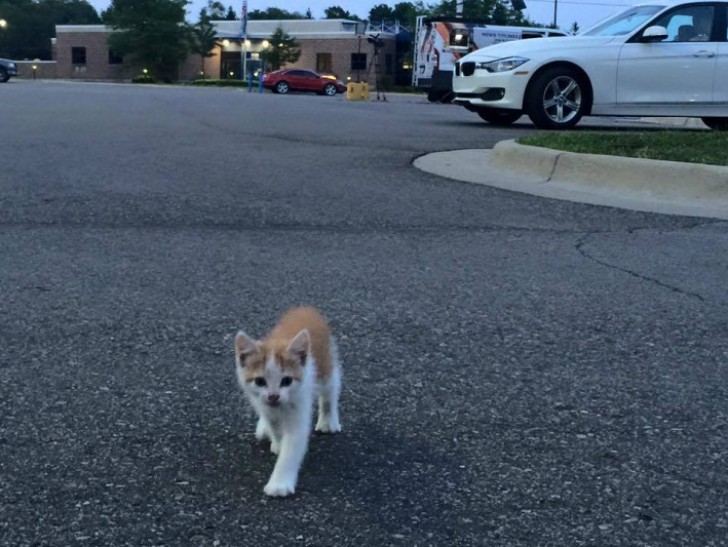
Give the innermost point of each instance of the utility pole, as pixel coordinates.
(243, 39)
(556, 5)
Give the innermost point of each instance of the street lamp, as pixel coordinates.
(3, 24)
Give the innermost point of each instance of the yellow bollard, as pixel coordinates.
(357, 91)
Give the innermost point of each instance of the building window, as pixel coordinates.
(323, 62)
(78, 55)
(115, 58)
(388, 63)
(358, 61)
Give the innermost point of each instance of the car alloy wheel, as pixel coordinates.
(556, 99)
(4, 76)
(330, 90)
(282, 88)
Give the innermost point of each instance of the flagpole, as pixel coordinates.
(243, 40)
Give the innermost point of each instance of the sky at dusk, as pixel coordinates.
(584, 12)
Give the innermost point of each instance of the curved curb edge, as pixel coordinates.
(644, 185)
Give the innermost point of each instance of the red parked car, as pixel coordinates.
(297, 79)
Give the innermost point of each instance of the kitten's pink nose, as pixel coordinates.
(273, 398)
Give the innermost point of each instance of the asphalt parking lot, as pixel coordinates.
(517, 370)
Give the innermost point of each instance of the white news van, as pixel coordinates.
(439, 43)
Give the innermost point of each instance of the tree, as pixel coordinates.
(32, 24)
(274, 13)
(496, 12)
(282, 49)
(406, 13)
(574, 29)
(231, 15)
(337, 12)
(204, 38)
(381, 12)
(215, 10)
(152, 33)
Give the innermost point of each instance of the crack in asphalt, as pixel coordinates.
(580, 249)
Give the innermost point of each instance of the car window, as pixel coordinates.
(623, 23)
(688, 24)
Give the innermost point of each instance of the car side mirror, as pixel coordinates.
(654, 34)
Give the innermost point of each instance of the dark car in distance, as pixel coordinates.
(298, 79)
(7, 69)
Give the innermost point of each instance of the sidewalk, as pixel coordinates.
(644, 185)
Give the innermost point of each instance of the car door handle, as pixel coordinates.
(704, 53)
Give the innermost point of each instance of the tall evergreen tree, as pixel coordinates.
(282, 49)
(204, 38)
(152, 33)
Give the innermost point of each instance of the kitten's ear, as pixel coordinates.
(300, 344)
(244, 346)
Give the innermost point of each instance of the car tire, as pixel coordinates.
(716, 124)
(499, 117)
(281, 87)
(556, 98)
(4, 76)
(330, 90)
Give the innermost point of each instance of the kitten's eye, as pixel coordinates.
(286, 381)
(260, 381)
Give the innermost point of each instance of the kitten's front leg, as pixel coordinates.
(285, 473)
(262, 429)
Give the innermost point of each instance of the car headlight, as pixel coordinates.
(502, 65)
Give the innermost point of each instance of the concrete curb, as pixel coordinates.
(644, 185)
(686, 123)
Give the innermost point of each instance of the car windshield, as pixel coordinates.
(623, 23)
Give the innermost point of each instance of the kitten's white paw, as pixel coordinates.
(261, 431)
(328, 426)
(275, 447)
(279, 489)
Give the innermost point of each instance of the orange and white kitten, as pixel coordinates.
(280, 376)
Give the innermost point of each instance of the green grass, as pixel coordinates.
(676, 145)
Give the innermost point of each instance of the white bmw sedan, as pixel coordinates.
(665, 58)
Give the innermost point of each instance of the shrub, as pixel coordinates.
(142, 79)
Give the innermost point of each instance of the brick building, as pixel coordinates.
(339, 46)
